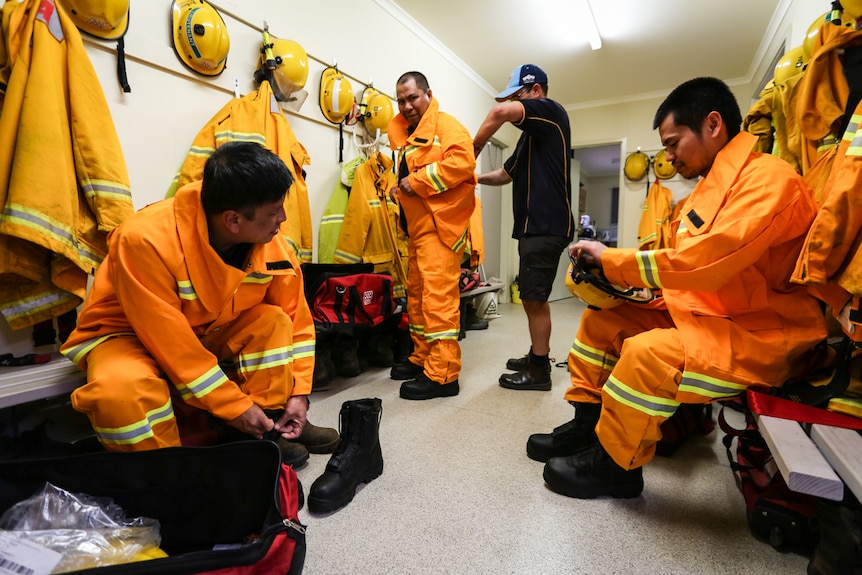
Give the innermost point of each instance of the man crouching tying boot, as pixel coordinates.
(729, 317)
(196, 287)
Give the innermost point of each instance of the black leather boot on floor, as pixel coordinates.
(591, 474)
(569, 438)
(357, 459)
(534, 377)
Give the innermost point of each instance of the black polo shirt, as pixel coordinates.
(540, 169)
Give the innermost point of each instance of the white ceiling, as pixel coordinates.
(648, 46)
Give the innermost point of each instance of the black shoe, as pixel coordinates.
(535, 377)
(424, 388)
(568, 439)
(592, 474)
(406, 370)
(518, 363)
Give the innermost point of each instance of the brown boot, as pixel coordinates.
(318, 439)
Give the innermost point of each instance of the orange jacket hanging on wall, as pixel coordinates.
(63, 178)
(257, 117)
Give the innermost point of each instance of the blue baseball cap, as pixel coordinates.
(523, 76)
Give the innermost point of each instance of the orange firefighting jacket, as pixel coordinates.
(163, 282)
(257, 117)
(441, 164)
(758, 120)
(823, 90)
(367, 235)
(63, 178)
(726, 283)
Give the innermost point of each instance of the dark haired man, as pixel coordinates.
(542, 204)
(200, 301)
(436, 185)
(729, 318)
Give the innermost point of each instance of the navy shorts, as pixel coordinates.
(540, 258)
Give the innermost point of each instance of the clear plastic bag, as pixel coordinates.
(87, 531)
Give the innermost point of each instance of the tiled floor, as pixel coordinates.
(458, 494)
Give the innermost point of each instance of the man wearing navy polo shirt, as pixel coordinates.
(541, 199)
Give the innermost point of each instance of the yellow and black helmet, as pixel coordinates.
(336, 95)
(108, 19)
(792, 63)
(662, 168)
(377, 111)
(589, 285)
(200, 36)
(636, 165)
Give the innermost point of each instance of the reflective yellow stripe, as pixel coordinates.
(707, 386)
(593, 355)
(648, 268)
(138, 431)
(648, 404)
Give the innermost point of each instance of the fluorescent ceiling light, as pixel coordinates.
(590, 27)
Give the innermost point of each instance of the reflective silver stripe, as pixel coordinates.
(707, 386)
(257, 278)
(203, 384)
(450, 334)
(186, 290)
(304, 349)
(648, 404)
(265, 359)
(138, 431)
(593, 355)
(347, 256)
(648, 269)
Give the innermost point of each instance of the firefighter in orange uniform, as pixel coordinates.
(200, 301)
(732, 317)
(436, 184)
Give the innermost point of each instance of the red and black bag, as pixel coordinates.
(351, 300)
(230, 509)
(775, 513)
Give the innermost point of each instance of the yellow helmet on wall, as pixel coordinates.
(636, 165)
(377, 111)
(662, 168)
(852, 10)
(590, 286)
(792, 63)
(108, 19)
(812, 33)
(200, 36)
(291, 65)
(336, 95)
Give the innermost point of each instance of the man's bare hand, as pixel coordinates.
(589, 249)
(295, 415)
(253, 422)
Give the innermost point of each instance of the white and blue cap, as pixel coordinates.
(525, 75)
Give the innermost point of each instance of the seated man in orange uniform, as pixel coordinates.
(191, 285)
(731, 318)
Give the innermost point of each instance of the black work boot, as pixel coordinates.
(406, 370)
(535, 377)
(518, 363)
(424, 388)
(569, 438)
(292, 453)
(324, 368)
(318, 439)
(357, 459)
(345, 355)
(591, 474)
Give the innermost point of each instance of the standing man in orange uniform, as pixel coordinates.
(200, 301)
(731, 318)
(436, 184)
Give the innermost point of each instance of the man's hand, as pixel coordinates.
(295, 415)
(589, 249)
(253, 422)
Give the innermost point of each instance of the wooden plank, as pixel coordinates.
(802, 465)
(843, 450)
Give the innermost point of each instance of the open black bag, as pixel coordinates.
(236, 494)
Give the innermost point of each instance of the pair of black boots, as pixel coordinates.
(357, 459)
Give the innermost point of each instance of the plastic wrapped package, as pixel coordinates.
(87, 531)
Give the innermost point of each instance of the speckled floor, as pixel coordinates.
(458, 494)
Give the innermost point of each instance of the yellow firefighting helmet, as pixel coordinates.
(662, 168)
(812, 33)
(792, 63)
(852, 10)
(336, 95)
(636, 166)
(377, 111)
(108, 19)
(590, 286)
(291, 65)
(200, 36)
